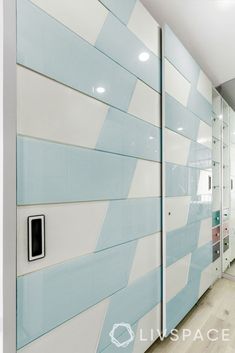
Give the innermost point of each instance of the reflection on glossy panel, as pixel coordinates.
(47, 298)
(181, 180)
(205, 183)
(180, 119)
(205, 232)
(128, 220)
(200, 208)
(124, 134)
(49, 110)
(132, 303)
(200, 106)
(205, 135)
(217, 126)
(200, 156)
(47, 46)
(129, 52)
(51, 173)
(145, 27)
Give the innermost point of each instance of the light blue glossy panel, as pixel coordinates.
(181, 180)
(201, 258)
(180, 119)
(200, 156)
(131, 219)
(178, 55)
(49, 297)
(124, 134)
(125, 50)
(183, 302)
(132, 303)
(48, 47)
(200, 208)
(49, 172)
(200, 106)
(181, 242)
(121, 8)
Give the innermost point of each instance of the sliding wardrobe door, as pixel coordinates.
(188, 265)
(88, 176)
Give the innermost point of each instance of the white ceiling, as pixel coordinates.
(207, 29)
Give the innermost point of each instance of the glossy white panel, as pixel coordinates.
(178, 147)
(226, 259)
(146, 104)
(226, 155)
(176, 212)
(232, 241)
(204, 181)
(147, 180)
(216, 199)
(217, 103)
(177, 276)
(145, 27)
(204, 136)
(52, 111)
(80, 334)
(226, 112)
(226, 134)
(217, 128)
(226, 198)
(146, 332)
(232, 156)
(205, 232)
(204, 86)
(72, 230)
(147, 256)
(226, 177)
(216, 150)
(86, 18)
(209, 276)
(175, 84)
(216, 175)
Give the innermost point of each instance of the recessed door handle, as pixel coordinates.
(36, 237)
(209, 183)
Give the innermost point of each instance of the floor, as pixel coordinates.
(215, 310)
(231, 269)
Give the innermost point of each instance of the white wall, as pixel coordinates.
(1, 175)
